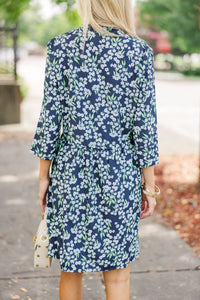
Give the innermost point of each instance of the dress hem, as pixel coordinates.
(100, 269)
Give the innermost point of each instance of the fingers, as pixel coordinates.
(42, 200)
(149, 207)
(146, 214)
(143, 203)
(42, 193)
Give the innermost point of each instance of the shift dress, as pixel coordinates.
(98, 125)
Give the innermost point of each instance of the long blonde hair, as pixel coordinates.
(111, 13)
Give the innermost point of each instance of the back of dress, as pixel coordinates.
(98, 123)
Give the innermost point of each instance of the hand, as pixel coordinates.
(42, 194)
(148, 205)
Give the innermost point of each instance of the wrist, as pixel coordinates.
(150, 187)
(149, 192)
(44, 177)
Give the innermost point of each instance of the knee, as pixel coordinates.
(117, 281)
(116, 277)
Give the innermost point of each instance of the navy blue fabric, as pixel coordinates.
(98, 123)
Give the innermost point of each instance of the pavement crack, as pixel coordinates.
(165, 270)
(29, 277)
(100, 275)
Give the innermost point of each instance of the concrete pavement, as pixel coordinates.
(167, 267)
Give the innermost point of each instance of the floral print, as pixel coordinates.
(98, 123)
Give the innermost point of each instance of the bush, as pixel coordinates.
(191, 72)
(23, 86)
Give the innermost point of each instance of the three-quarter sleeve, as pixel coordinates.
(46, 139)
(145, 134)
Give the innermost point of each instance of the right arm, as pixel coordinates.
(145, 133)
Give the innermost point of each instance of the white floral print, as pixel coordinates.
(98, 123)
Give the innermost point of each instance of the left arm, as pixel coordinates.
(44, 169)
(46, 140)
(45, 144)
(43, 182)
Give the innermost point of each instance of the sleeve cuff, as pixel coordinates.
(36, 151)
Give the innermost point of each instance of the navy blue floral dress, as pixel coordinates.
(98, 123)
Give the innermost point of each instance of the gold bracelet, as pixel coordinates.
(150, 193)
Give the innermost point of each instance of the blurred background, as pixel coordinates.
(172, 29)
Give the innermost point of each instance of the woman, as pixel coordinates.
(97, 130)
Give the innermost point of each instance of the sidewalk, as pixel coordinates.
(166, 268)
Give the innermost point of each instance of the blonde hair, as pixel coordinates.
(111, 13)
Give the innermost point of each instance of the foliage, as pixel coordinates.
(28, 23)
(23, 86)
(11, 10)
(57, 25)
(70, 3)
(178, 17)
(31, 27)
(191, 73)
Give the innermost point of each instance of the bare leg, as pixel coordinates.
(70, 287)
(117, 283)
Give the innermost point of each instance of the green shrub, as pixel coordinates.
(23, 86)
